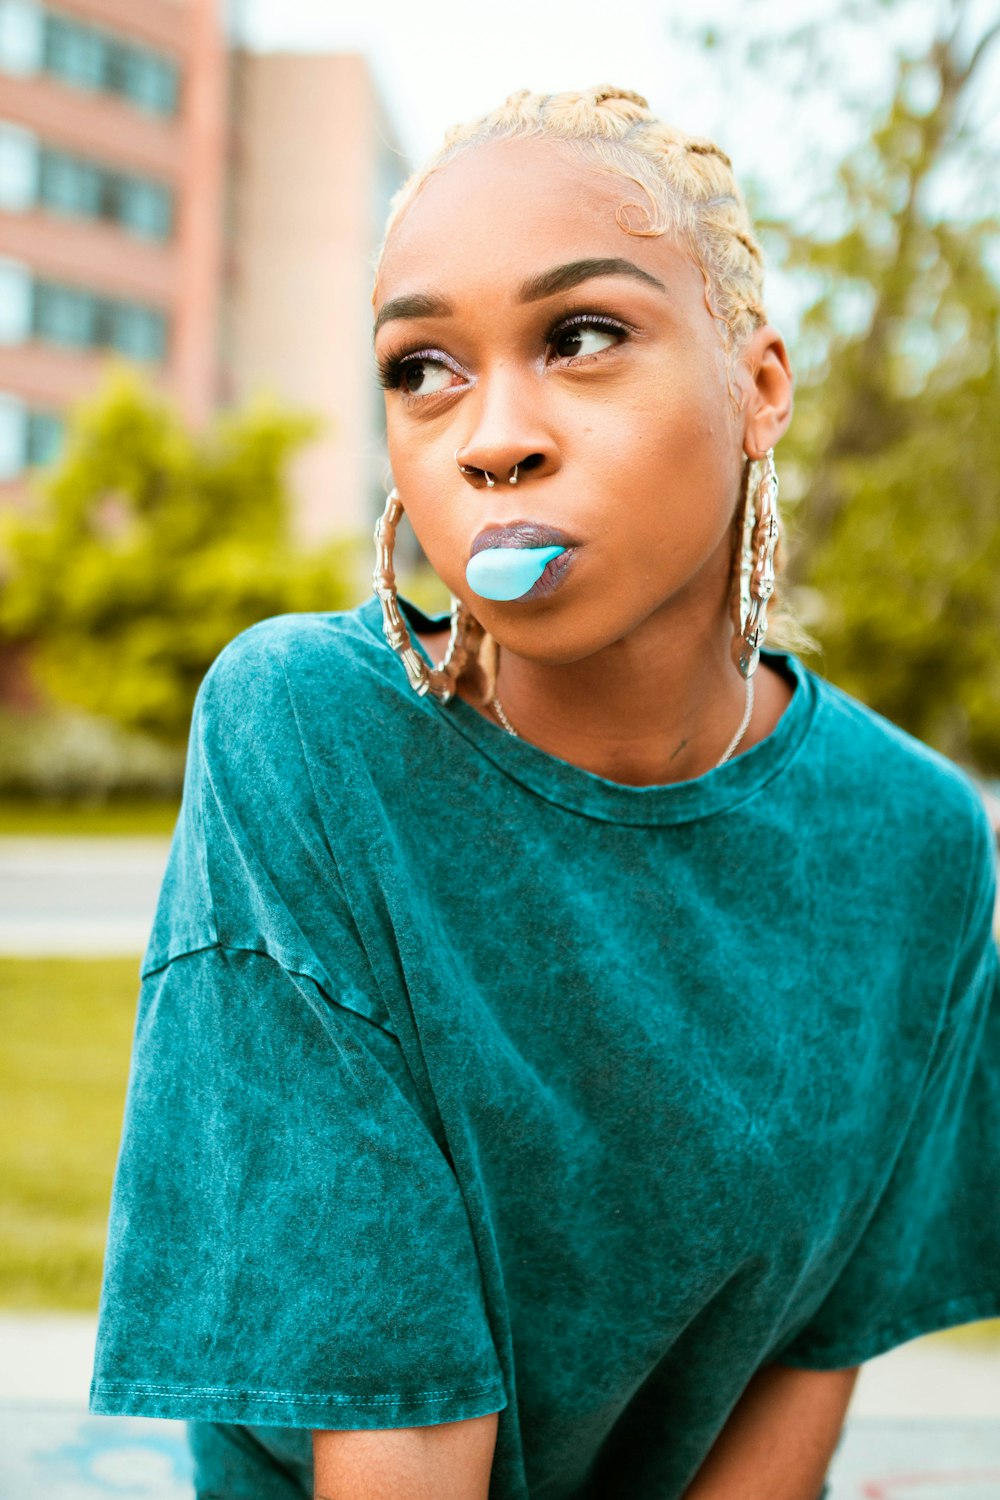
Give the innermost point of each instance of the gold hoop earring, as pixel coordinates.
(468, 645)
(759, 530)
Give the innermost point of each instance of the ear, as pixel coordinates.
(765, 378)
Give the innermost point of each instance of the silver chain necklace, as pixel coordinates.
(741, 731)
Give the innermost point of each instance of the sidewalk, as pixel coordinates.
(79, 897)
(924, 1424)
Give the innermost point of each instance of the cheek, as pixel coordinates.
(415, 472)
(430, 509)
(669, 414)
(668, 440)
(672, 476)
(400, 452)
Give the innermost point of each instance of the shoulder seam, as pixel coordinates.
(286, 967)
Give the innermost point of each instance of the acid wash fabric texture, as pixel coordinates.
(465, 1080)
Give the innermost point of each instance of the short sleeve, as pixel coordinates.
(251, 862)
(929, 1255)
(288, 1244)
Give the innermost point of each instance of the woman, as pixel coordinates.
(568, 1046)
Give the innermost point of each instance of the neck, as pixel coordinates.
(632, 712)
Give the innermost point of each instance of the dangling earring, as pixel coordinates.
(469, 644)
(758, 534)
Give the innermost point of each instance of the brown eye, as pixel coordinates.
(584, 338)
(423, 377)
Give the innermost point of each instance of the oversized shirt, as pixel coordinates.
(465, 1080)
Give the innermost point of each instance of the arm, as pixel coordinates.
(779, 1438)
(406, 1463)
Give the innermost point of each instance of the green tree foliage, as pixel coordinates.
(895, 445)
(152, 547)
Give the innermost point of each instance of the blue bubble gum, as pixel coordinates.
(508, 572)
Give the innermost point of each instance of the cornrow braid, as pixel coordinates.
(686, 185)
(707, 148)
(608, 91)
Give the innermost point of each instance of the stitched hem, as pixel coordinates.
(932, 1318)
(316, 1409)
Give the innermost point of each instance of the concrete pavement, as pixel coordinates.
(79, 897)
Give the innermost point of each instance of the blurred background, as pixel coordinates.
(191, 439)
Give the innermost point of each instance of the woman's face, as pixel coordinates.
(605, 383)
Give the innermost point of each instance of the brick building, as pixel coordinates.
(207, 212)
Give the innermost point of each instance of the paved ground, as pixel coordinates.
(79, 897)
(924, 1424)
(60, 1454)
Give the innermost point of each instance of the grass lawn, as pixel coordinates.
(20, 816)
(67, 1032)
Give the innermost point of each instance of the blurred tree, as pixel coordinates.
(893, 457)
(153, 547)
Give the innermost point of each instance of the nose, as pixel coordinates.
(508, 441)
(482, 474)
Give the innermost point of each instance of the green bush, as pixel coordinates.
(150, 547)
(67, 756)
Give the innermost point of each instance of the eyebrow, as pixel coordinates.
(545, 284)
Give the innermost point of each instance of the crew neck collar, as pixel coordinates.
(571, 787)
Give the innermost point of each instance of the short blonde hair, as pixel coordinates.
(688, 185)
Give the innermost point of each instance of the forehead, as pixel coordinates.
(506, 210)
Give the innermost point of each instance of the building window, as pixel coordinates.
(139, 332)
(69, 185)
(44, 435)
(27, 436)
(79, 319)
(22, 36)
(92, 58)
(65, 315)
(13, 422)
(15, 302)
(18, 168)
(76, 54)
(146, 208)
(72, 185)
(150, 81)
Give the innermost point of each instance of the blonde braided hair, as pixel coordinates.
(689, 192)
(688, 185)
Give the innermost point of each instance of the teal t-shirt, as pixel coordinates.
(465, 1080)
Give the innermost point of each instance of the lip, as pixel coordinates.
(552, 576)
(522, 534)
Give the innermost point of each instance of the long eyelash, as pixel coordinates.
(389, 372)
(390, 366)
(588, 320)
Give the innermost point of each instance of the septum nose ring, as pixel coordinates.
(490, 481)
